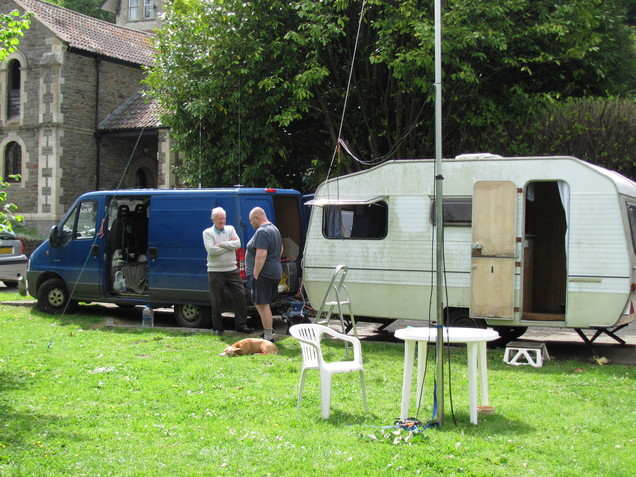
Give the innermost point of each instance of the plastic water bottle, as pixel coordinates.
(148, 317)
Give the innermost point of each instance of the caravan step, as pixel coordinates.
(526, 352)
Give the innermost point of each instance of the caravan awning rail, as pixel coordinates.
(325, 201)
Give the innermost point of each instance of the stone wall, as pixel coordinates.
(35, 53)
(58, 121)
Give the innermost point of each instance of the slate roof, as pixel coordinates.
(135, 113)
(92, 35)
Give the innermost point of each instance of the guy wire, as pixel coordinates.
(346, 99)
(99, 234)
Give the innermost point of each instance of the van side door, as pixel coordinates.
(177, 260)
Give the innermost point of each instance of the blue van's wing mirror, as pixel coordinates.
(54, 237)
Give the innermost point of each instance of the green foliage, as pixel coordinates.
(601, 131)
(12, 26)
(87, 7)
(7, 210)
(78, 398)
(221, 72)
(256, 91)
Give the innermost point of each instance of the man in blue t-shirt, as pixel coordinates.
(262, 264)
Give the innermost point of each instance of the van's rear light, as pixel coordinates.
(270, 190)
(240, 262)
(21, 245)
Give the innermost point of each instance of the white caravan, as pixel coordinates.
(528, 241)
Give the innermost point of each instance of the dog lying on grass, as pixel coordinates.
(250, 346)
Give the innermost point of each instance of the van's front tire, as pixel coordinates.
(54, 298)
(193, 316)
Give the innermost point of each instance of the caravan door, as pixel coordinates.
(492, 275)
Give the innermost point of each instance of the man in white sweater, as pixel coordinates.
(221, 241)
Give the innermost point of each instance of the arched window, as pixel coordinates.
(12, 161)
(141, 179)
(13, 89)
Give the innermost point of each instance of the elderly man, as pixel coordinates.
(262, 263)
(221, 241)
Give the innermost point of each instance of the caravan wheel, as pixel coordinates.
(509, 333)
(459, 317)
(192, 316)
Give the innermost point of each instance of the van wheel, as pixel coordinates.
(192, 316)
(54, 298)
(459, 317)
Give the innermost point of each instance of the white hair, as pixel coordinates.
(218, 210)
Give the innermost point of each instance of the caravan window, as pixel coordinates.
(457, 211)
(355, 221)
(631, 212)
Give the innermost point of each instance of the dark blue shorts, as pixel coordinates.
(263, 291)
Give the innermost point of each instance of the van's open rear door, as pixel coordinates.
(493, 249)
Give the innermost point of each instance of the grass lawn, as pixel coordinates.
(80, 399)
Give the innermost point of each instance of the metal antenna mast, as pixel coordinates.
(439, 218)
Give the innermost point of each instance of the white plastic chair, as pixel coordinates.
(310, 335)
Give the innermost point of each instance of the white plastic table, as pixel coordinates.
(475, 339)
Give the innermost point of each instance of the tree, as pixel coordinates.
(600, 131)
(256, 89)
(12, 26)
(7, 210)
(87, 7)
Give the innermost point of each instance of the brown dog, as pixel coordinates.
(250, 346)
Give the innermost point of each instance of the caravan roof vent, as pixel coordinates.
(479, 155)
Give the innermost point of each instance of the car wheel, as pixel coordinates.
(193, 316)
(54, 298)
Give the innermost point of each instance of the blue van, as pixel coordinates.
(133, 247)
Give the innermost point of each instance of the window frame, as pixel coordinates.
(69, 229)
(464, 220)
(13, 148)
(149, 9)
(141, 10)
(14, 89)
(354, 208)
(631, 215)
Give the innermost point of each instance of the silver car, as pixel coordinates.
(13, 261)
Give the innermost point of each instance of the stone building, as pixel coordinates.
(72, 112)
(143, 15)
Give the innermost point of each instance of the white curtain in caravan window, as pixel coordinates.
(564, 192)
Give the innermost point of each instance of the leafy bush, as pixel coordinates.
(7, 215)
(601, 131)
